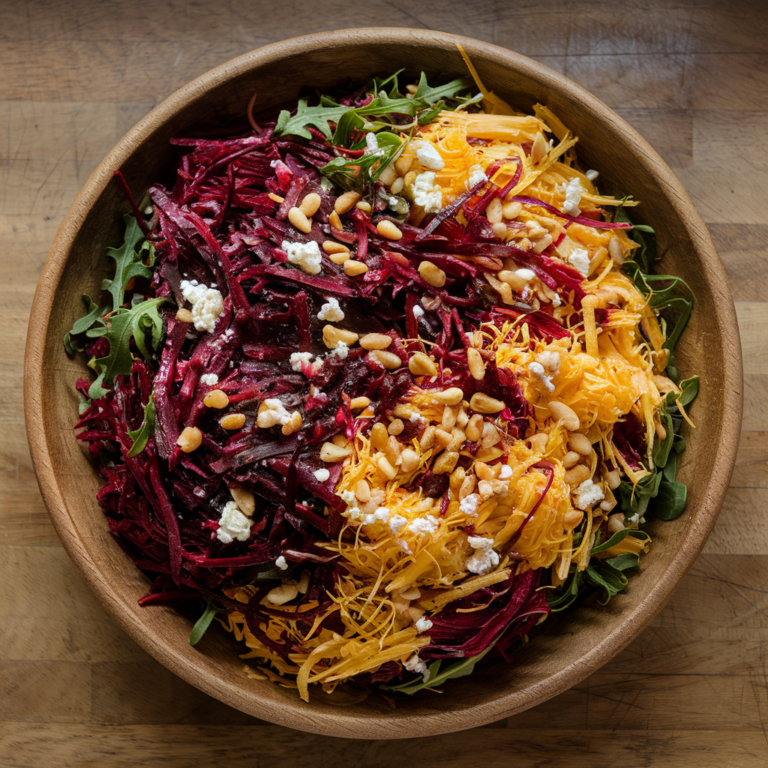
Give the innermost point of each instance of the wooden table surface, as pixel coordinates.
(691, 76)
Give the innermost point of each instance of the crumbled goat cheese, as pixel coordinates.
(275, 412)
(424, 525)
(429, 157)
(592, 174)
(579, 259)
(573, 191)
(397, 523)
(484, 558)
(426, 193)
(331, 311)
(211, 379)
(348, 497)
(525, 274)
(423, 625)
(321, 475)
(281, 563)
(341, 350)
(550, 360)
(476, 175)
(416, 417)
(418, 311)
(233, 524)
(299, 359)
(506, 471)
(306, 256)
(381, 513)
(372, 145)
(588, 494)
(207, 304)
(470, 504)
(415, 664)
(537, 369)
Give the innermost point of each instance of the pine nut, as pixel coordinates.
(216, 399)
(345, 202)
(442, 438)
(476, 364)
(299, 220)
(485, 489)
(388, 175)
(375, 341)
(500, 230)
(379, 436)
(283, 594)
(539, 442)
(275, 198)
(580, 443)
(184, 316)
(362, 491)
(457, 478)
(363, 206)
(539, 149)
(396, 427)
(333, 335)
(512, 210)
(450, 396)
(616, 250)
(572, 518)
(422, 365)
(431, 274)
(542, 243)
(565, 414)
(245, 500)
(330, 453)
(233, 421)
(310, 204)
(387, 229)
(475, 428)
(403, 164)
(331, 246)
(512, 279)
(397, 186)
(616, 523)
(450, 415)
(482, 403)
(340, 258)
(388, 359)
(293, 425)
(410, 460)
(402, 411)
(359, 402)
(467, 486)
(428, 438)
(613, 479)
(190, 439)
(355, 268)
(483, 471)
(385, 467)
(607, 504)
(577, 475)
(490, 435)
(462, 419)
(336, 221)
(571, 459)
(341, 440)
(393, 450)
(445, 463)
(493, 211)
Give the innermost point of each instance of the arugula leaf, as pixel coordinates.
(141, 435)
(317, 117)
(561, 597)
(617, 538)
(202, 624)
(93, 314)
(129, 263)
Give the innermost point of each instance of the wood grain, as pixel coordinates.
(76, 77)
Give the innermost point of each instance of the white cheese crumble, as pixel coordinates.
(233, 524)
(484, 558)
(587, 494)
(299, 359)
(274, 412)
(341, 350)
(424, 525)
(537, 369)
(592, 174)
(331, 311)
(429, 157)
(348, 497)
(476, 175)
(506, 471)
(211, 379)
(306, 256)
(415, 664)
(423, 625)
(426, 193)
(573, 191)
(281, 563)
(579, 259)
(397, 523)
(372, 145)
(470, 504)
(550, 360)
(321, 475)
(418, 311)
(207, 304)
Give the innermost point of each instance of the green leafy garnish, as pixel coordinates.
(202, 624)
(141, 435)
(129, 262)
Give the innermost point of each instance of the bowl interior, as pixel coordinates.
(569, 646)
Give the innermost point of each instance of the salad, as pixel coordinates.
(382, 381)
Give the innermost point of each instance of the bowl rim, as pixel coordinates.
(342, 722)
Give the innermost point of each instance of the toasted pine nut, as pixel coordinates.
(385, 467)
(512, 210)
(333, 335)
(577, 475)
(393, 450)
(579, 442)
(275, 198)
(410, 460)
(431, 274)
(341, 440)
(467, 486)
(364, 206)
(571, 459)
(482, 403)
(445, 463)
(387, 229)
(539, 149)
(490, 435)
(388, 359)
(345, 202)
(216, 399)
(457, 478)
(397, 186)
(340, 258)
(310, 204)
(512, 279)
(613, 479)
(403, 164)
(607, 504)
(542, 243)
(330, 453)
(485, 489)
(331, 246)
(450, 396)
(422, 365)
(475, 428)
(483, 471)
(233, 421)
(362, 491)
(616, 523)
(539, 442)
(428, 438)
(572, 518)
(190, 439)
(379, 436)
(396, 427)
(476, 364)
(299, 220)
(462, 419)
(500, 230)
(245, 500)
(450, 415)
(388, 175)
(375, 341)
(283, 594)
(616, 250)
(184, 316)
(562, 412)
(335, 221)
(354, 268)
(442, 438)
(493, 211)
(293, 425)
(359, 402)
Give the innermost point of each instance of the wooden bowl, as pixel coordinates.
(568, 647)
